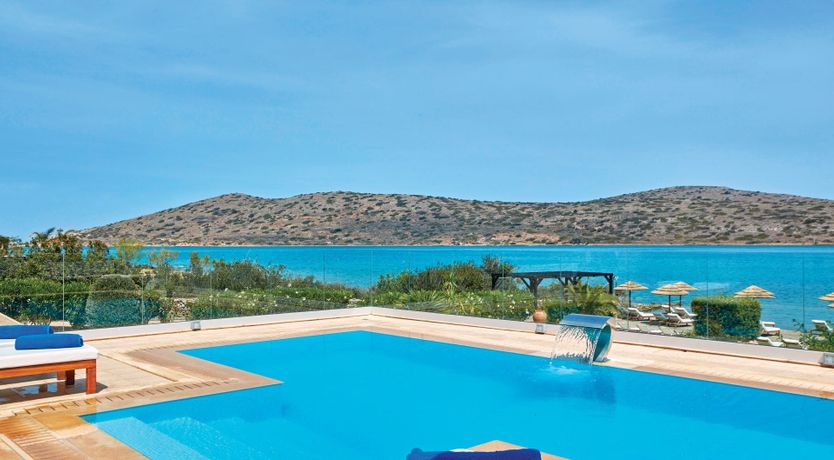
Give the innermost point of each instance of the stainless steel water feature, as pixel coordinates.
(584, 338)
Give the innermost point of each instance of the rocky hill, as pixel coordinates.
(677, 215)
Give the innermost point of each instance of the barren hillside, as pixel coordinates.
(678, 215)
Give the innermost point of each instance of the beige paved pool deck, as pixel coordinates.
(40, 418)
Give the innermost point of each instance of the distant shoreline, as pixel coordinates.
(624, 245)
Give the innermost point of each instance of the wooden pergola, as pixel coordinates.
(533, 279)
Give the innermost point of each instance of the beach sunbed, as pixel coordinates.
(43, 354)
(673, 319)
(649, 329)
(769, 341)
(769, 328)
(684, 313)
(791, 343)
(821, 326)
(634, 312)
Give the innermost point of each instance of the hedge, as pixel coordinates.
(34, 300)
(725, 316)
(116, 300)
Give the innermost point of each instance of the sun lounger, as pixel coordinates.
(635, 313)
(769, 328)
(648, 329)
(673, 319)
(41, 354)
(660, 317)
(791, 343)
(821, 326)
(684, 313)
(769, 341)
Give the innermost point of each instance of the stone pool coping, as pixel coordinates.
(140, 365)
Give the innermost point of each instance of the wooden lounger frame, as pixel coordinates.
(65, 371)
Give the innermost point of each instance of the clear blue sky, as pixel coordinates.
(109, 110)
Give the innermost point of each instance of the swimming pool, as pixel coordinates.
(363, 395)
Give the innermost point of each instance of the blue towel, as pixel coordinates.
(516, 454)
(44, 341)
(18, 330)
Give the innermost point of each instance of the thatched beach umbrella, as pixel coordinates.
(671, 290)
(686, 286)
(630, 286)
(754, 292)
(828, 297)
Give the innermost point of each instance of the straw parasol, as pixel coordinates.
(828, 297)
(686, 286)
(754, 292)
(630, 286)
(671, 290)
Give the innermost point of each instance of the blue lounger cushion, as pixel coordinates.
(18, 330)
(46, 341)
(515, 454)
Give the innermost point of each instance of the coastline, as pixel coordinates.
(595, 245)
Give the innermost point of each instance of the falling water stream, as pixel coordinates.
(575, 343)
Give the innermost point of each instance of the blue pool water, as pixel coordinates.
(362, 395)
(797, 275)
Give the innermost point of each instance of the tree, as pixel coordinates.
(198, 264)
(161, 259)
(127, 251)
(97, 253)
(493, 264)
(40, 240)
(7, 243)
(69, 244)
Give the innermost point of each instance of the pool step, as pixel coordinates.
(154, 443)
(207, 439)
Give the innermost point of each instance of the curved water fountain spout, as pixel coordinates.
(584, 338)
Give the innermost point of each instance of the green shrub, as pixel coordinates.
(39, 301)
(240, 275)
(252, 303)
(725, 316)
(462, 276)
(323, 292)
(558, 310)
(511, 304)
(387, 299)
(822, 342)
(580, 298)
(115, 300)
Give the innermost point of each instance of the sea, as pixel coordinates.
(797, 275)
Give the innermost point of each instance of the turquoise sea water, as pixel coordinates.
(797, 275)
(362, 395)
